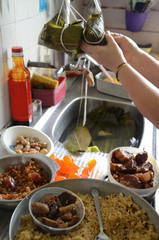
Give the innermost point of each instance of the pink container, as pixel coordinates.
(51, 97)
(135, 20)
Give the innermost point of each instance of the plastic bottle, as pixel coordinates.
(20, 89)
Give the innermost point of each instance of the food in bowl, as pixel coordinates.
(56, 211)
(19, 180)
(24, 139)
(135, 169)
(122, 218)
(26, 144)
(132, 170)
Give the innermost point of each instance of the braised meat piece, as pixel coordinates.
(49, 222)
(48, 199)
(66, 198)
(128, 166)
(39, 208)
(140, 158)
(54, 210)
(131, 181)
(145, 167)
(121, 156)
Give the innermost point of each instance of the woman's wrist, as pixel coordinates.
(122, 65)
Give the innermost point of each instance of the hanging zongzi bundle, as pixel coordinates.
(94, 31)
(59, 36)
(49, 29)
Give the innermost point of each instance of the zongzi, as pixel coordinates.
(59, 36)
(94, 30)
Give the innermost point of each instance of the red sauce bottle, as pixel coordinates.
(20, 89)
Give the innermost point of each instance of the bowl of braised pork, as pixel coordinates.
(56, 210)
(135, 169)
(21, 174)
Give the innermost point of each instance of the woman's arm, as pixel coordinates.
(138, 59)
(142, 92)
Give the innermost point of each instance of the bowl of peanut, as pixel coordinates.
(26, 140)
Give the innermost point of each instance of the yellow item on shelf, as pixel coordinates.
(114, 80)
(48, 82)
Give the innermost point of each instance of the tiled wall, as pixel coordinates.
(20, 24)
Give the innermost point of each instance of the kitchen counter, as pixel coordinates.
(45, 124)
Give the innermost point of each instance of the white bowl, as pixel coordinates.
(10, 134)
(148, 192)
(56, 191)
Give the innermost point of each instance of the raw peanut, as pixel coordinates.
(19, 146)
(37, 148)
(24, 141)
(33, 145)
(18, 151)
(43, 145)
(16, 142)
(32, 151)
(44, 151)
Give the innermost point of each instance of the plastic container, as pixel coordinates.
(51, 97)
(20, 89)
(135, 20)
(56, 191)
(146, 193)
(109, 87)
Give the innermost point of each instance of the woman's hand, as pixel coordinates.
(110, 55)
(128, 46)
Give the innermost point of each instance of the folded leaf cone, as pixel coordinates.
(94, 30)
(61, 37)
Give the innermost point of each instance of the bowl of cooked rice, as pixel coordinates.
(56, 210)
(125, 215)
(134, 169)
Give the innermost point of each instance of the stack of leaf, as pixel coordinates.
(106, 128)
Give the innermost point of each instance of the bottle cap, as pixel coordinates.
(17, 51)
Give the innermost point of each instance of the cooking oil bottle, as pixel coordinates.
(20, 89)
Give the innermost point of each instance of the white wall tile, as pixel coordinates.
(3, 118)
(22, 33)
(2, 81)
(35, 29)
(33, 7)
(21, 10)
(8, 115)
(7, 12)
(1, 49)
(8, 40)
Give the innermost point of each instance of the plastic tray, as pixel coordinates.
(51, 97)
(110, 88)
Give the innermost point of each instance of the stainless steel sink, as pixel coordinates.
(68, 118)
